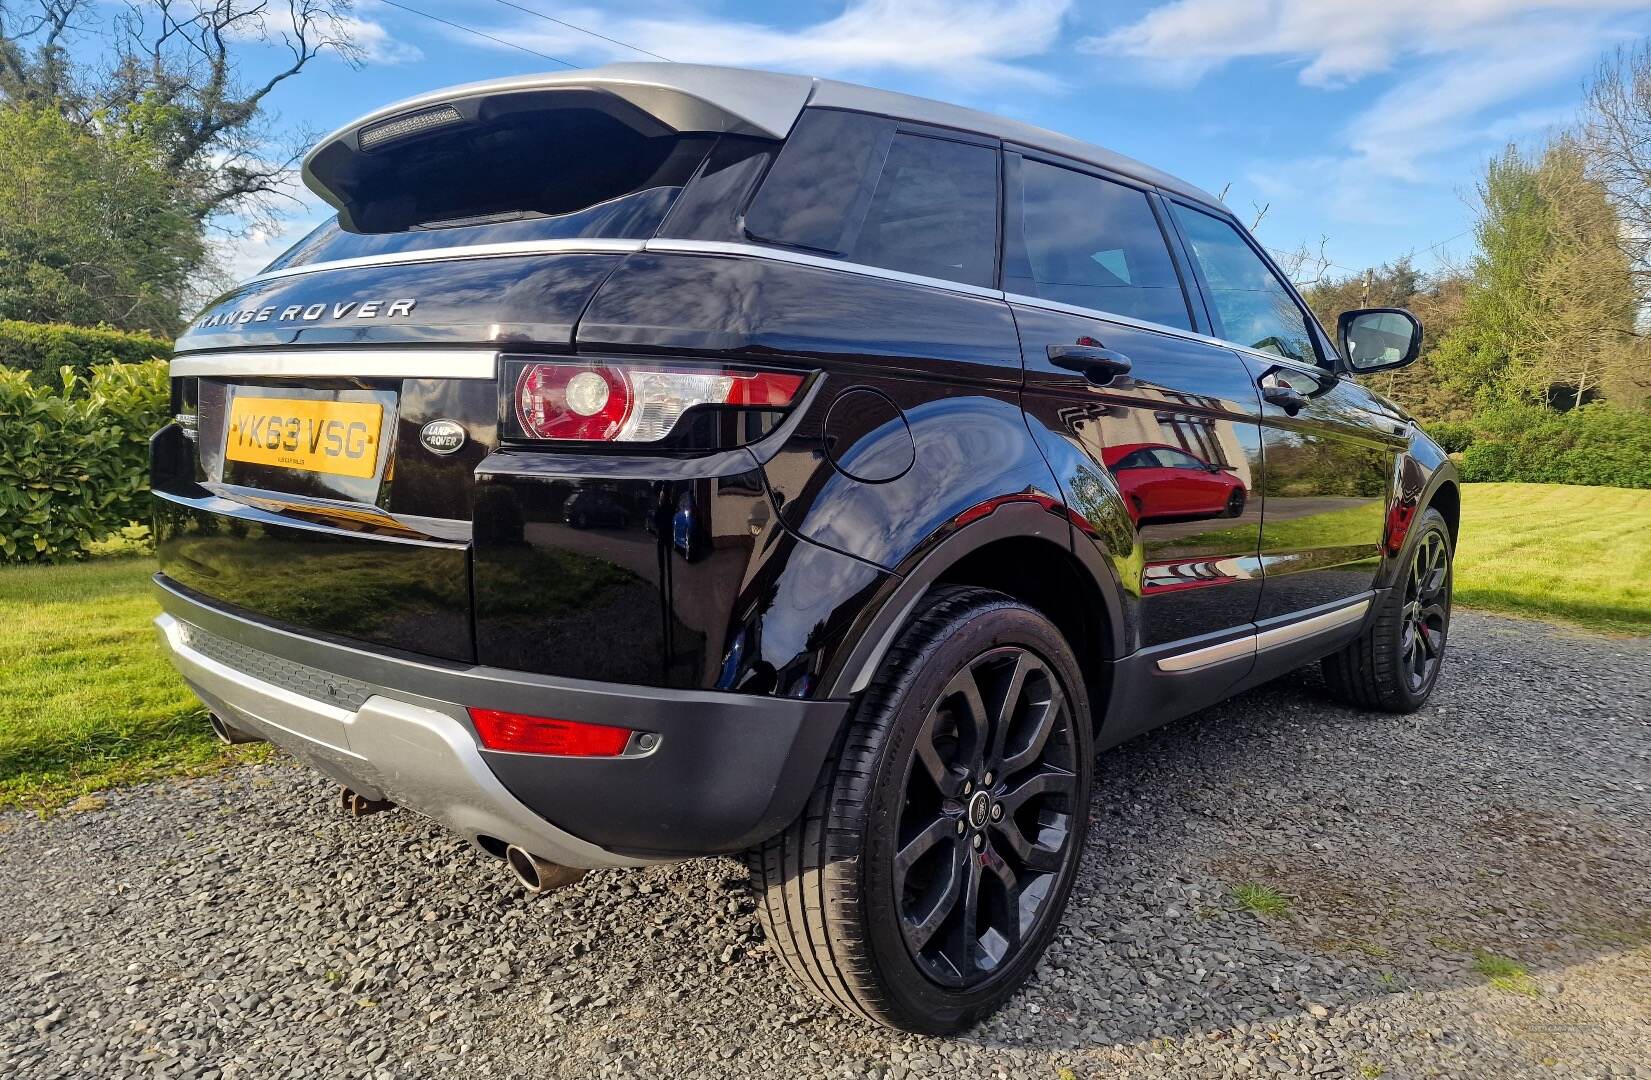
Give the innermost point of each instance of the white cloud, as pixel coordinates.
(375, 42)
(961, 40)
(1336, 41)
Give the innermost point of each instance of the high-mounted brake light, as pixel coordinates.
(635, 403)
(524, 734)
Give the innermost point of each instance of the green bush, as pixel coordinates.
(1454, 435)
(46, 348)
(74, 459)
(1596, 445)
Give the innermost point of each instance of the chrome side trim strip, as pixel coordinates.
(1306, 628)
(758, 251)
(1210, 655)
(469, 251)
(360, 363)
(1263, 640)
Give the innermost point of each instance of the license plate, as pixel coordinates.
(336, 437)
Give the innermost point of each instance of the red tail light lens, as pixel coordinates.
(524, 734)
(632, 402)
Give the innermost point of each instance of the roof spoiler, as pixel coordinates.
(665, 97)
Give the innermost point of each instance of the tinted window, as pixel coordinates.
(537, 171)
(1093, 243)
(1252, 307)
(850, 185)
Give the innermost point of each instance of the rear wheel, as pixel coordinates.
(1395, 663)
(934, 859)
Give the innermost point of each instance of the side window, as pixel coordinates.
(851, 185)
(1175, 459)
(1252, 307)
(1093, 243)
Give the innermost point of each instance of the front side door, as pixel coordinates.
(1122, 393)
(1330, 446)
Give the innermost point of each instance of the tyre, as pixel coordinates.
(933, 860)
(1395, 663)
(1235, 503)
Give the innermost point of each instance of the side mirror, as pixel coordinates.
(1378, 339)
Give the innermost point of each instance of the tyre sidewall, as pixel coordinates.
(921, 1003)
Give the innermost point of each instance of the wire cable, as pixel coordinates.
(583, 30)
(478, 33)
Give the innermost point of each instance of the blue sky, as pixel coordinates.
(1360, 121)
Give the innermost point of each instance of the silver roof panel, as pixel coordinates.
(700, 97)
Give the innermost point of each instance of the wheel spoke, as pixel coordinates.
(921, 930)
(968, 930)
(1007, 707)
(1051, 780)
(946, 778)
(1029, 854)
(972, 719)
(1009, 882)
(1046, 716)
(940, 830)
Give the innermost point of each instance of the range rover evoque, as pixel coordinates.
(656, 461)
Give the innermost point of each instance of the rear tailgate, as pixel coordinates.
(323, 473)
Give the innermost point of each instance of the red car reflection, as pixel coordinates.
(1165, 483)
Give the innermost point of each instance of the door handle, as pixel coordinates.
(1284, 397)
(1098, 364)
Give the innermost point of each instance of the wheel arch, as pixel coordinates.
(1447, 499)
(1024, 550)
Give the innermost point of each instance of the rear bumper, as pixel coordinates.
(729, 770)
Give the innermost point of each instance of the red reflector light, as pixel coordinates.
(523, 734)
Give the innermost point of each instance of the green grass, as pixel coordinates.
(1505, 974)
(1576, 554)
(1263, 900)
(87, 698)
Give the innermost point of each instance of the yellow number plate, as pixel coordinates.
(337, 437)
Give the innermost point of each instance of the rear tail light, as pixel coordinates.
(635, 403)
(523, 734)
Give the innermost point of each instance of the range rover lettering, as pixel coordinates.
(657, 461)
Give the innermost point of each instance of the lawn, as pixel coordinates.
(87, 699)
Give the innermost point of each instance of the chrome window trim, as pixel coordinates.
(505, 249)
(726, 247)
(1262, 640)
(359, 363)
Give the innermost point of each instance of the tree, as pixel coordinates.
(1616, 134)
(171, 76)
(91, 230)
(1550, 310)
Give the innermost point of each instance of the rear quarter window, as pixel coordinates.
(858, 188)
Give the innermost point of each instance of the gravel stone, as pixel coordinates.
(238, 926)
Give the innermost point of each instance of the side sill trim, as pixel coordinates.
(359, 363)
(1262, 641)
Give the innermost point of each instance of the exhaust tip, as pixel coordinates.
(230, 736)
(539, 876)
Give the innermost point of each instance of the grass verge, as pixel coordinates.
(87, 698)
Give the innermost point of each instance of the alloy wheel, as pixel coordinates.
(1426, 612)
(985, 824)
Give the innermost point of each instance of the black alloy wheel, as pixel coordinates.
(987, 816)
(934, 858)
(1235, 503)
(1394, 663)
(1426, 612)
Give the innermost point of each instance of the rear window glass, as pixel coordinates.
(1092, 243)
(546, 173)
(852, 186)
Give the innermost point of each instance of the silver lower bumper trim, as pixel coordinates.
(416, 753)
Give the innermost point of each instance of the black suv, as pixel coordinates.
(657, 461)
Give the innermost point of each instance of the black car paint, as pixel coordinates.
(935, 429)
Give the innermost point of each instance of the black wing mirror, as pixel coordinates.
(1378, 339)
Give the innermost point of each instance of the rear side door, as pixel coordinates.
(1115, 372)
(1331, 448)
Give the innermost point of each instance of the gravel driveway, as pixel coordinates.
(239, 926)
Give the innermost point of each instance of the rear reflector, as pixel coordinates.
(523, 734)
(635, 403)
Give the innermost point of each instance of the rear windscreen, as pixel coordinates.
(549, 173)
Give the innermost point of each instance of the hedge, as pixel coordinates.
(1596, 445)
(46, 348)
(74, 458)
